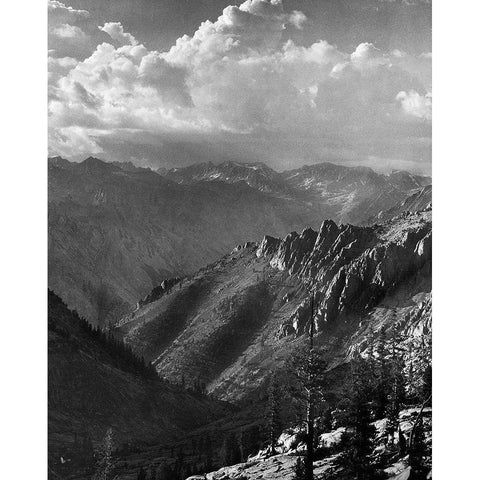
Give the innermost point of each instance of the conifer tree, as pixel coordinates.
(397, 392)
(383, 386)
(357, 442)
(105, 458)
(309, 368)
(417, 454)
(274, 423)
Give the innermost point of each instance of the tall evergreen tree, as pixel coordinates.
(418, 453)
(383, 386)
(309, 368)
(274, 422)
(357, 442)
(105, 463)
(397, 379)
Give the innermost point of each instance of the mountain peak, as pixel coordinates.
(95, 165)
(58, 162)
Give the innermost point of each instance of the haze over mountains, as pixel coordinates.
(117, 230)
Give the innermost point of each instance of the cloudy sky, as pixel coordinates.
(173, 82)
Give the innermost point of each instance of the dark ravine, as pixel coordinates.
(92, 386)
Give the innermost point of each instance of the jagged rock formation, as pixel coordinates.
(246, 314)
(350, 269)
(116, 230)
(158, 291)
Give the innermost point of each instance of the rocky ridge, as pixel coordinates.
(351, 269)
(246, 314)
(117, 230)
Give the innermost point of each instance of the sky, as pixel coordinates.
(166, 83)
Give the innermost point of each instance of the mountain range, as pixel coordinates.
(247, 313)
(117, 230)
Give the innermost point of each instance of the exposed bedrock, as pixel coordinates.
(350, 269)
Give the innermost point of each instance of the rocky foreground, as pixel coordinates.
(281, 464)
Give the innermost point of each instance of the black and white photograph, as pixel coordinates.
(239, 240)
(238, 243)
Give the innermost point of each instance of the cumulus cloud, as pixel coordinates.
(68, 31)
(239, 74)
(58, 11)
(415, 104)
(297, 19)
(65, 141)
(115, 30)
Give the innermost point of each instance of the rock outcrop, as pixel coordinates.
(350, 269)
(158, 291)
(254, 305)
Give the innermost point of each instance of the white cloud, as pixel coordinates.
(398, 53)
(58, 11)
(297, 19)
(115, 30)
(237, 74)
(69, 31)
(415, 104)
(366, 55)
(72, 140)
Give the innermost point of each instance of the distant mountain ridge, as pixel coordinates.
(117, 230)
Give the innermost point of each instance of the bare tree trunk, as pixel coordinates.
(310, 437)
(415, 424)
(310, 409)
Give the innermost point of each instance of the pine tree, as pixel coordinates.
(357, 442)
(105, 458)
(417, 454)
(397, 392)
(274, 423)
(309, 368)
(383, 385)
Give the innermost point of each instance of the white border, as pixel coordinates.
(23, 240)
(456, 189)
(456, 176)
